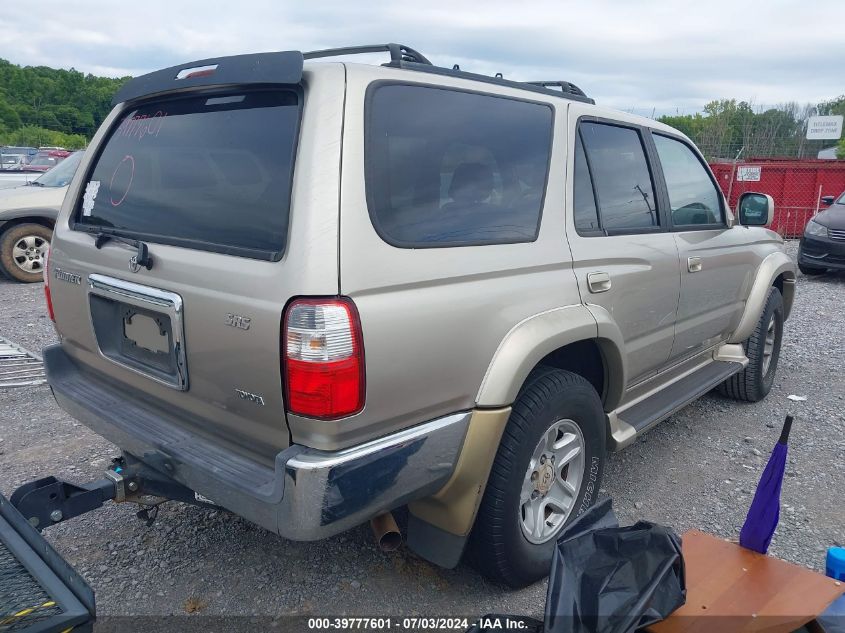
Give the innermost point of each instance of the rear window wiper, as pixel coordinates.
(142, 258)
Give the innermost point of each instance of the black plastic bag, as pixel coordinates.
(608, 579)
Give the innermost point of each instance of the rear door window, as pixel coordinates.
(451, 168)
(210, 173)
(621, 176)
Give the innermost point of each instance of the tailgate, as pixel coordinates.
(39, 591)
(219, 189)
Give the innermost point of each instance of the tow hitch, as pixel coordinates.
(49, 500)
(39, 591)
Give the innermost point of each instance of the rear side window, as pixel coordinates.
(693, 196)
(621, 177)
(450, 168)
(211, 173)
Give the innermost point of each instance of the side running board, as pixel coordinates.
(648, 412)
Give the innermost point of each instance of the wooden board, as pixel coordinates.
(730, 588)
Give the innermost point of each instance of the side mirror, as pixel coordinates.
(827, 200)
(755, 209)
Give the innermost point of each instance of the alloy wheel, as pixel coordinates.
(552, 481)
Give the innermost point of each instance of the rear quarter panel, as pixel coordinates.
(433, 318)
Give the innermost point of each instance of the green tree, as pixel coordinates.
(834, 106)
(727, 126)
(62, 101)
(9, 117)
(34, 136)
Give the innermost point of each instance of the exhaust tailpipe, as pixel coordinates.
(386, 532)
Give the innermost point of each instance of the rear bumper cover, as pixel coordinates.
(306, 495)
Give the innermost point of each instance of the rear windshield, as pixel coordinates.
(211, 173)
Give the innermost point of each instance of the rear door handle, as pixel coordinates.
(693, 264)
(598, 282)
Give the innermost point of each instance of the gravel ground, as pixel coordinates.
(695, 470)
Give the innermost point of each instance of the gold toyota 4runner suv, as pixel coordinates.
(314, 292)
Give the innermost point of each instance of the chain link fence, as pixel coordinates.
(764, 148)
(797, 186)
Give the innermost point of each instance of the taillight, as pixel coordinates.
(323, 356)
(47, 295)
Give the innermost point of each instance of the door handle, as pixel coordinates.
(693, 264)
(598, 282)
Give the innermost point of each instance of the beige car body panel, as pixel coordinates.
(454, 506)
(419, 306)
(30, 200)
(220, 358)
(445, 330)
(776, 264)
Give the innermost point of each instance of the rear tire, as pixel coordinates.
(22, 250)
(555, 413)
(754, 382)
(811, 270)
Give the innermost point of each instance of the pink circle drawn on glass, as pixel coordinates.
(131, 160)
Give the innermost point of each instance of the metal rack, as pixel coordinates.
(405, 57)
(398, 53)
(566, 87)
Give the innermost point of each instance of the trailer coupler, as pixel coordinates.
(49, 500)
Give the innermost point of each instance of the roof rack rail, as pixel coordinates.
(398, 53)
(565, 86)
(407, 58)
(573, 93)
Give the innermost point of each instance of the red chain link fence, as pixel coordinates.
(796, 186)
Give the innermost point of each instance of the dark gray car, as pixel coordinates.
(823, 244)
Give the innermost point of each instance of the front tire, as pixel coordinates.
(22, 251)
(754, 382)
(547, 471)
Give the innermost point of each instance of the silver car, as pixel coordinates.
(313, 292)
(27, 215)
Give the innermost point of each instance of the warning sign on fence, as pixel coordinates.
(749, 174)
(824, 128)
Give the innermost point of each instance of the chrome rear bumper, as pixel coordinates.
(327, 492)
(306, 495)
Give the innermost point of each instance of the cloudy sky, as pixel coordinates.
(665, 55)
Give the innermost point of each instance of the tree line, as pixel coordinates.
(728, 126)
(46, 106)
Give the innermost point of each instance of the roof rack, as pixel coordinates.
(565, 86)
(398, 53)
(407, 58)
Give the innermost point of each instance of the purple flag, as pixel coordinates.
(764, 512)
